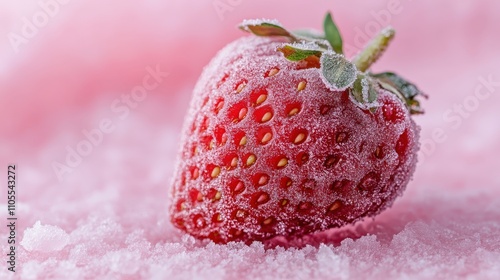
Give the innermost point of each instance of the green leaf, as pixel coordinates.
(402, 88)
(357, 90)
(372, 93)
(332, 34)
(408, 89)
(374, 50)
(264, 28)
(294, 53)
(338, 73)
(363, 92)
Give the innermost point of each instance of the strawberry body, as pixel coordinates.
(269, 150)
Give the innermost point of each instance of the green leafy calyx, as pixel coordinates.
(401, 87)
(337, 72)
(332, 34)
(296, 52)
(265, 28)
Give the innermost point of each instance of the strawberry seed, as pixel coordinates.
(215, 172)
(301, 86)
(272, 72)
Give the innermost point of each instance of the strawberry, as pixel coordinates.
(285, 136)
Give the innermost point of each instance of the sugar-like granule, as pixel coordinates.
(44, 238)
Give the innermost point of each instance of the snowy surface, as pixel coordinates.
(107, 219)
(118, 226)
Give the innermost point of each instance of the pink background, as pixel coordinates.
(107, 218)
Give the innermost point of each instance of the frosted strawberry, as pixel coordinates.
(285, 136)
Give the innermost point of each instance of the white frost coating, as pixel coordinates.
(248, 22)
(337, 72)
(365, 85)
(365, 88)
(324, 43)
(44, 238)
(310, 46)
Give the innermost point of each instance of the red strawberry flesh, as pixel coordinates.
(269, 150)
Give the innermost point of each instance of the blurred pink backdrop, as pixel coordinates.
(81, 57)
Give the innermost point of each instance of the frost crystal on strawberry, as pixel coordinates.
(286, 136)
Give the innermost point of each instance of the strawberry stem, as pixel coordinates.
(372, 52)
